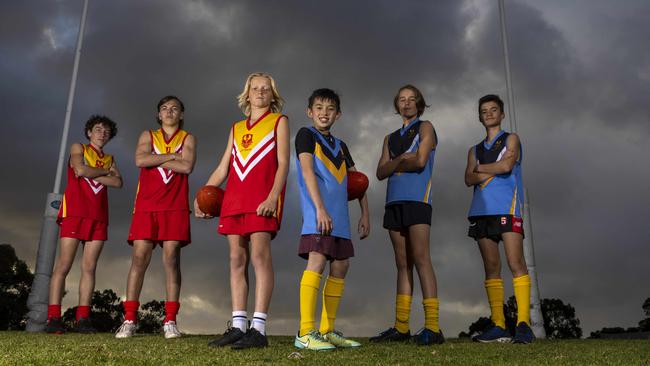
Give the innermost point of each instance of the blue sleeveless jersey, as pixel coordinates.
(409, 186)
(503, 193)
(331, 174)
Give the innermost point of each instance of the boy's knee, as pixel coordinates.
(140, 261)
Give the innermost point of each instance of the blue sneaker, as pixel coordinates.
(427, 337)
(523, 334)
(494, 334)
(391, 335)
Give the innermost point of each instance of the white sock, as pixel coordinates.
(240, 320)
(259, 322)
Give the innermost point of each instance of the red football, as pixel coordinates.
(209, 199)
(357, 185)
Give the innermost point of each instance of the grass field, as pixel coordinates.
(22, 348)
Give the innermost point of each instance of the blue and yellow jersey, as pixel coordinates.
(409, 186)
(503, 193)
(331, 162)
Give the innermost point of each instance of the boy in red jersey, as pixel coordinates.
(161, 211)
(83, 217)
(256, 163)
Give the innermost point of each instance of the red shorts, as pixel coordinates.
(246, 224)
(84, 229)
(159, 226)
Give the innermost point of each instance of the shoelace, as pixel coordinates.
(123, 326)
(318, 336)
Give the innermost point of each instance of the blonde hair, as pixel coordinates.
(276, 101)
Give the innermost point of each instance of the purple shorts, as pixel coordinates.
(332, 247)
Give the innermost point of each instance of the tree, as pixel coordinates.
(644, 325)
(15, 284)
(107, 312)
(151, 317)
(560, 320)
(479, 326)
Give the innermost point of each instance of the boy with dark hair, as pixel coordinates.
(161, 214)
(322, 164)
(494, 169)
(83, 217)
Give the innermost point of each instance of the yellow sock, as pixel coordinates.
(494, 289)
(522, 295)
(431, 314)
(332, 292)
(309, 285)
(402, 312)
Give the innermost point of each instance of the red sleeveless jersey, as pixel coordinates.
(253, 164)
(85, 197)
(161, 189)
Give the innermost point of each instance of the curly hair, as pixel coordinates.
(97, 119)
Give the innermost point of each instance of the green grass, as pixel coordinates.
(22, 348)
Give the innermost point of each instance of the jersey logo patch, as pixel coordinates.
(246, 140)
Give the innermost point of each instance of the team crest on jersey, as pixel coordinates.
(246, 140)
(411, 132)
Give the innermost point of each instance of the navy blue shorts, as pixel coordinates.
(398, 216)
(492, 227)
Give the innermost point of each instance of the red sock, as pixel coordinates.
(83, 311)
(131, 310)
(171, 309)
(53, 311)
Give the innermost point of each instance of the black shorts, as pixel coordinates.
(400, 215)
(492, 227)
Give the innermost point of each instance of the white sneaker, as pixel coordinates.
(126, 330)
(171, 330)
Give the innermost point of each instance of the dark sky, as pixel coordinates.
(581, 76)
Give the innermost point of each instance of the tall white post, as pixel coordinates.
(38, 297)
(536, 320)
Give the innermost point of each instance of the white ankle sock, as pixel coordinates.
(259, 322)
(240, 320)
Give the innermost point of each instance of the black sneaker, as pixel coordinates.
(55, 326)
(427, 337)
(523, 334)
(391, 335)
(84, 325)
(231, 336)
(252, 339)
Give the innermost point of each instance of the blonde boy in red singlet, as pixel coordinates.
(256, 163)
(83, 217)
(161, 214)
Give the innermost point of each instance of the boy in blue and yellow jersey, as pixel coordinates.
(323, 163)
(83, 217)
(494, 169)
(407, 162)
